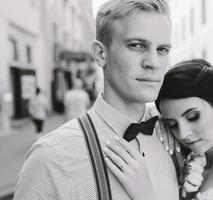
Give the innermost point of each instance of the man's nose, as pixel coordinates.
(151, 60)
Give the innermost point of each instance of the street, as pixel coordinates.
(13, 148)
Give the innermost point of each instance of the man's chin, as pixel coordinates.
(150, 98)
(146, 100)
(149, 95)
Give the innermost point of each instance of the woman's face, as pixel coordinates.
(191, 122)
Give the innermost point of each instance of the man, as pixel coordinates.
(132, 47)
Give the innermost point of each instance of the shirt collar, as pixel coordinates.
(112, 117)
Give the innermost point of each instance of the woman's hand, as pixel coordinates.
(129, 167)
(169, 142)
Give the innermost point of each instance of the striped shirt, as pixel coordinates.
(58, 166)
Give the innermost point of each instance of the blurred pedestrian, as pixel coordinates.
(90, 83)
(76, 100)
(38, 110)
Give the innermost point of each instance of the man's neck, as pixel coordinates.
(133, 110)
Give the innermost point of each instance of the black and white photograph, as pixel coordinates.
(106, 100)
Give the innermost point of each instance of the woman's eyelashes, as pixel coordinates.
(193, 116)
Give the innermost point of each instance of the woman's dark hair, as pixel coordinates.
(192, 78)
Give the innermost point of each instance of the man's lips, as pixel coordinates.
(147, 79)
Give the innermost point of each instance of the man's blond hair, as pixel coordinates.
(117, 9)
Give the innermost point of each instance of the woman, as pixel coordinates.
(186, 104)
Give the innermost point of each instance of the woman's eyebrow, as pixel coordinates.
(191, 109)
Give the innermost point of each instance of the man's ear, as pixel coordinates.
(99, 53)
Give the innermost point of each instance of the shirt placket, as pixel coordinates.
(139, 140)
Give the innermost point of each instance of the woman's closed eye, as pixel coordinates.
(193, 116)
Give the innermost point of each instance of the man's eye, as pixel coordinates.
(137, 46)
(163, 50)
(193, 116)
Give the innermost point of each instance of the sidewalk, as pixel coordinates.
(13, 148)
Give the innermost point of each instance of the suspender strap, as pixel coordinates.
(96, 157)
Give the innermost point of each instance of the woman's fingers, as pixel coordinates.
(121, 151)
(131, 150)
(177, 146)
(118, 152)
(158, 131)
(122, 147)
(171, 141)
(114, 169)
(166, 137)
(136, 181)
(129, 167)
(116, 159)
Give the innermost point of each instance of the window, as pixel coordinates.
(29, 54)
(14, 49)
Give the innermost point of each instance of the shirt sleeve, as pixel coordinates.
(42, 177)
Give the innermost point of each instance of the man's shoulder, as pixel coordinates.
(69, 130)
(63, 139)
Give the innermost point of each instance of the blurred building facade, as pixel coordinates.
(192, 30)
(73, 32)
(38, 39)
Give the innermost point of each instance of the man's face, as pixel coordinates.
(137, 58)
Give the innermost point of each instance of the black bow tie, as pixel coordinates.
(144, 127)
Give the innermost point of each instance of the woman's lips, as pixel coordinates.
(193, 142)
